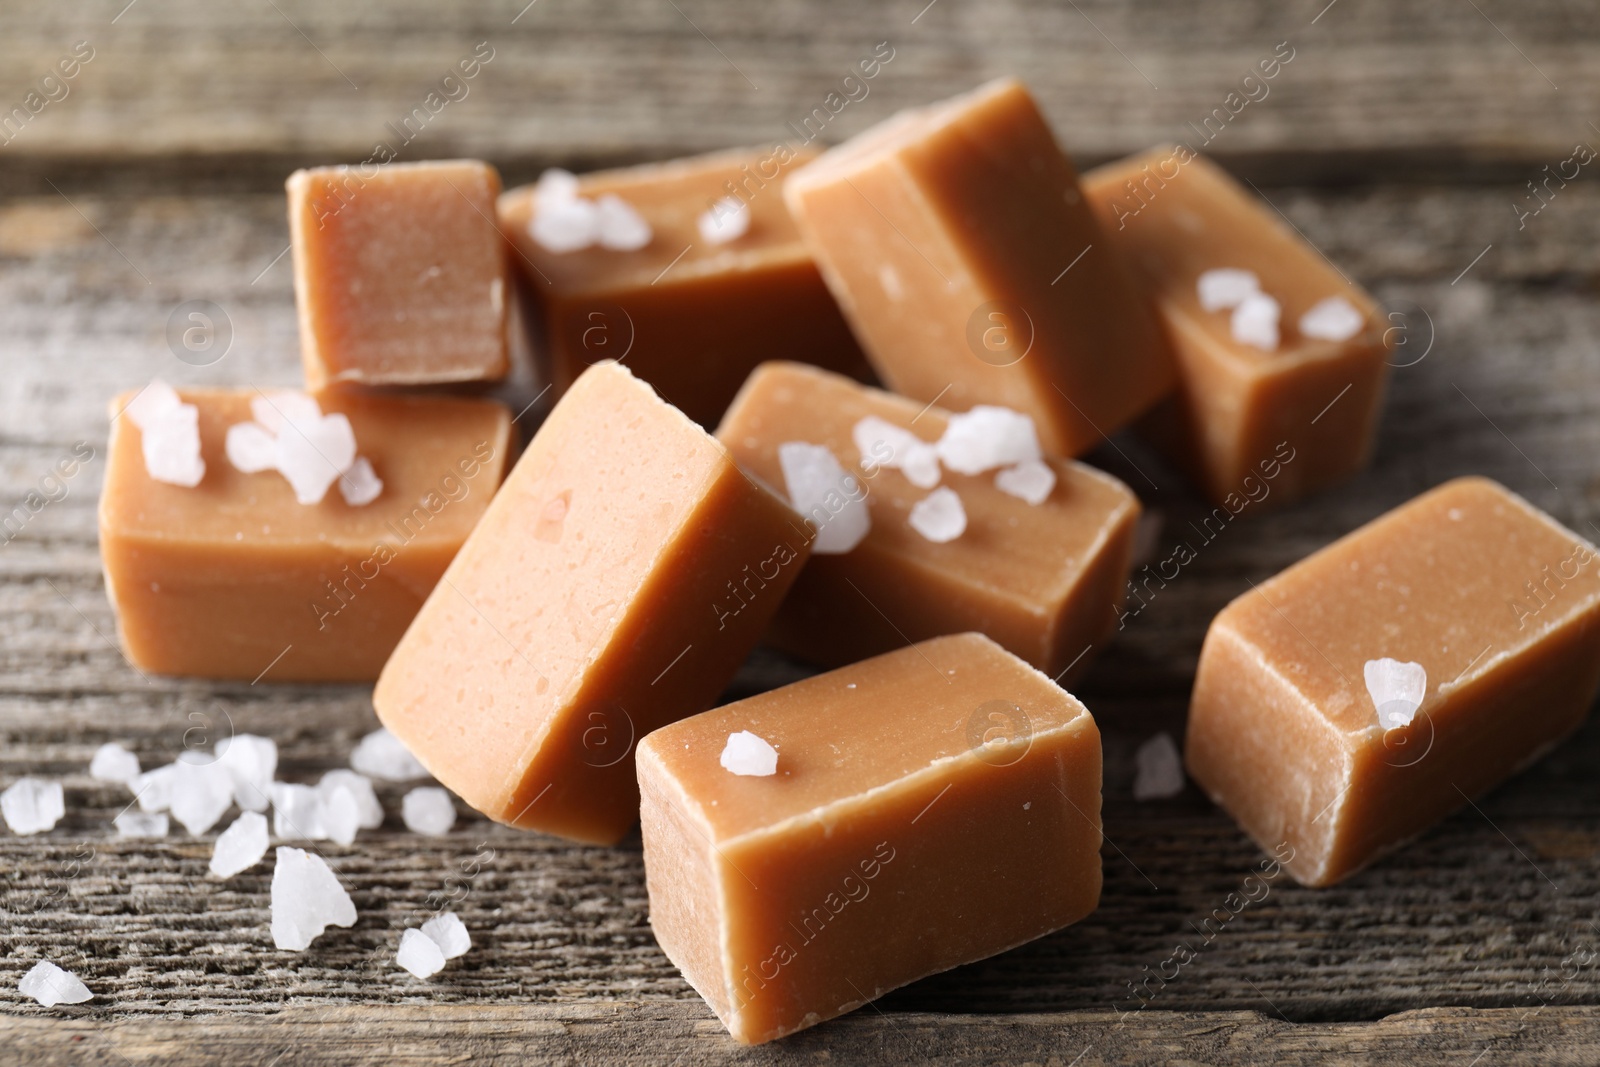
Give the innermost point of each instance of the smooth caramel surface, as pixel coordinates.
(234, 576)
(930, 807)
(1496, 600)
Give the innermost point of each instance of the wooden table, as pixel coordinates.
(1398, 140)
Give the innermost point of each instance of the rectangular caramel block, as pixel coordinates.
(1491, 610)
(234, 576)
(1045, 580)
(1175, 215)
(399, 273)
(581, 613)
(951, 236)
(691, 317)
(930, 807)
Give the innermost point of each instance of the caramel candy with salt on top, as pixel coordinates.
(1044, 580)
(690, 317)
(930, 807)
(400, 276)
(1497, 602)
(950, 236)
(581, 613)
(236, 579)
(1238, 408)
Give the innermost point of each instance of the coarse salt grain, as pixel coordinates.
(565, 225)
(50, 985)
(306, 899)
(1225, 287)
(554, 186)
(113, 763)
(428, 810)
(130, 823)
(1332, 319)
(1255, 322)
(988, 437)
(419, 954)
(830, 500)
(727, 220)
(381, 754)
(449, 933)
(360, 485)
(619, 226)
(153, 788)
(883, 444)
(241, 846)
(32, 805)
(1397, 689)
(369, 811)
(297, 813)
(169, 435)
(201, 793)
(939, 516)
(1031, 480)
(251, 761)
(1160, 769)
(311, 450)
(749, 755)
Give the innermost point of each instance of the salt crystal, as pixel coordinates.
(563, 226)
(988, 437)
(132, 823)
(276, 410)
(1255, 322)
(113, 763)
(153, 788)
(312, 455)
(830, 500)
(555, 185)
(250, 448)
(419, 954)
(383, 755)
(883, 444)
(171, 447)
(306, 899)
(201, 793)
(1160, 769)
(1226, 287)
(152, 404)
(619, 225)
(359, 786)
(1397, 690)
(1332, 319)
(297, 813)
(728, 220)
(749, 755)
(240, 846)
(341, 815)
(939, 516)
(1030, 480)
(32, 805)
(50, 985)
(360, 485)
(449, 933)
(251, 761)
(428, 810)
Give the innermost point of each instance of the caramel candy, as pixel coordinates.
(582, 612)
(1255, 384)
(235, 579)
(1306, 723)
(1044, 580)
(958, 244)
(930, 807)
(400, 275)
(690, 315)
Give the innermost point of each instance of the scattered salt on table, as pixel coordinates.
(130, 823)
(383, 755)
(1160, 769)
(113, 763)
(449, 933)
(428, 810)
(419, 954)
(250, 760)
(306, 899)
(32, 805)
(240, 846)
(50, 985)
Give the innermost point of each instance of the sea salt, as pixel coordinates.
(1031, 480)
(32, 805)
(50, 985)
(369, 812)
(383, 755)
(1397, 690)
(988, 437)
(1255, 322)
(250, 448)
(201, 793)
(311, 450)
(113, 763)
(297, 813)
(749, 755)
(449, 933)
(419, 954)
(313, 454)
(240, 846)
(565, 225)
(883, 444)
(1160, 769)
(1332, 319)
(130, 823)
(250, 761)
(428, 810)
(153, 788)
(360, 485)
(1225, 287)
(829, 499)
(619, 225)
(727, 220)
(152, 404)
(306, 899)
(939, 516)
(341, 816)
(554, 186)
(276, 409)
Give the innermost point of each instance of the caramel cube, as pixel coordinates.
(1240, 408)
(689, 316)
(234, 578)
(1352, 701)
(400, 275)
(581, 613)
(928, 808)
(958, 244)
(1044, 580)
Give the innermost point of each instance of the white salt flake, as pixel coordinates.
(277, 409)
(360, 485)
(312, 455)
(240, 846)
(250, 761)
(1226, 287)
(341, 816)
(383, 755)
(939, 516)
(1255, 322)
(50, 985)
(1160, 769)
(1031, 480)
(311, 450)
(32, 805)
(428, 810)
(297, 813)
(171, 447)
(620, 227)
(562, 225)
(113, 763)
(201, 794)
(306, 899)
(883, 444)
(250, 448)
(1397, 690)
(988, 437)
(449, 933)
(419, 954)
(152, 404)
(555, 185)
(727, 220)
(153, 788)
(368, 810)
(832, 501)
(1332, 319)
(132, 823)
(749, 755)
